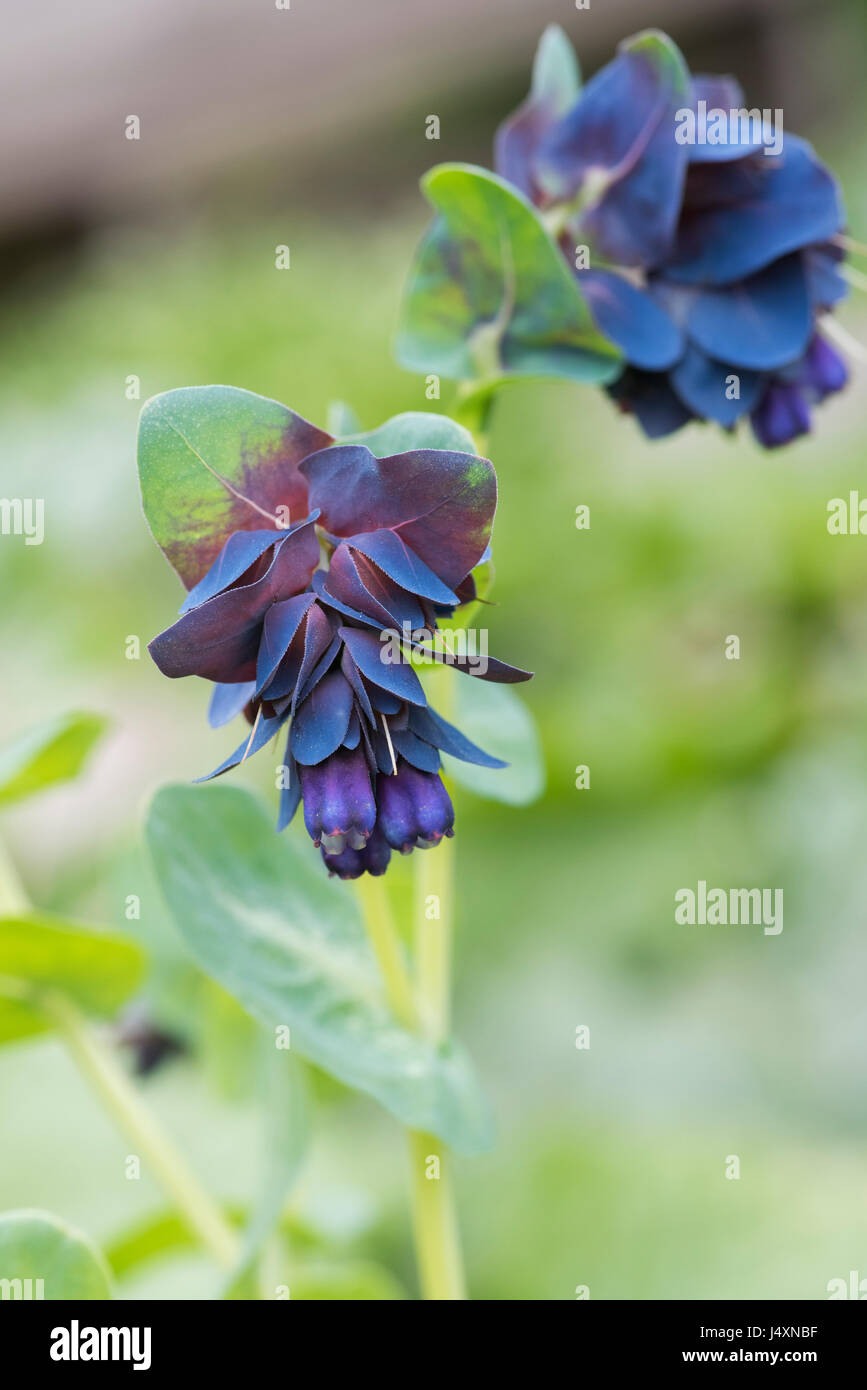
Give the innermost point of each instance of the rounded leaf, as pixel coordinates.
(51, 753)
(263, 919)
(97, 970)
(41, 1257)
(497, 719)
(214, 460)
(491, 294)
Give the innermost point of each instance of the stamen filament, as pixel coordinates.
(848, 243)
(844, 338)
(854, 276)
(390, 744)
(252, 735)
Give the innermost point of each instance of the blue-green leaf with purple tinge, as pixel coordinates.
(214, 460)
(490, 294)
(414, 429)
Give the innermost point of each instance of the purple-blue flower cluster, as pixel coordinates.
(290, 626)
(710, 262)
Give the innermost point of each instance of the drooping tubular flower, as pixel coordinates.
(713, 236)
(313, 627)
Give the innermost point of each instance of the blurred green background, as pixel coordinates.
(705, 1041)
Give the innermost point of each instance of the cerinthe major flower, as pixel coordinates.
(291, 626)
(712, 262)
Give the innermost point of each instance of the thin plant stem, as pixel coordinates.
(388, 948)
(434, 1220)
(433, 917)
(137, 1122)
(13, 898)
(119, 1096)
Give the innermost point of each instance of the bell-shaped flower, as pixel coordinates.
(320, 628)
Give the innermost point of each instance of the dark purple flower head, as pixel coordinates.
(713, 237)
(315, 628)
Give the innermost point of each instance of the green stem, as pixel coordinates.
(387, 947)
(433, 913)
(126, 1108)
(434, 1220)
(433, 1210)
(474, 406)
(13, 898)
(120, 1097)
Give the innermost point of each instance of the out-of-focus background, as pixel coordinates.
(155, 258)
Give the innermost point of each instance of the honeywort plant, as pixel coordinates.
(645, 233)
(320, 575)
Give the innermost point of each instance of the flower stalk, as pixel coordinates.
(423, 1002)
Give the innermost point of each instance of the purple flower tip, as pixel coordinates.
(782, 416)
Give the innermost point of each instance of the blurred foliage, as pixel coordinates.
(53, 752)
(40, 954)
(34, 1245)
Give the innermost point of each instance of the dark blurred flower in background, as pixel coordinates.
(149, 1042)
(711, 258)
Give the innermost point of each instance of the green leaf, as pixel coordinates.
(491, 294)
(230, 1038)
(556, 75)
(38, 953)
(342, 420)
(415, 429)
(50, 753)
(215, 459)
(665, 55)
(34, 1245)
(262, 917)
(163, 1234)
(497, 719)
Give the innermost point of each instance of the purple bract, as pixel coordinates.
(313, 627)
